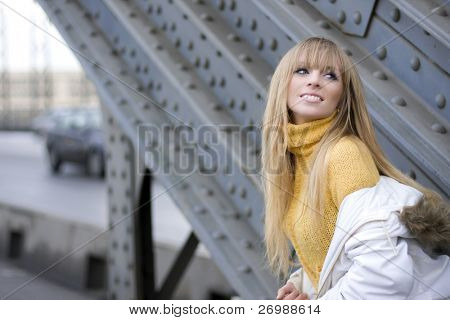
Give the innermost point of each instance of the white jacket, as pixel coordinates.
(373, 255)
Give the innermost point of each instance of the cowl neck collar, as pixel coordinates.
(303, 137)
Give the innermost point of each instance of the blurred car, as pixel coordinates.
(47, 121)
(77, 138)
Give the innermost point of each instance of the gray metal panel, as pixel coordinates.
(350, 16)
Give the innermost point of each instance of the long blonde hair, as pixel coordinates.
(278, 164)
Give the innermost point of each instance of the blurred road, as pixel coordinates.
(26, 181)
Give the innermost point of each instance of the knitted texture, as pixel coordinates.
(350, 168)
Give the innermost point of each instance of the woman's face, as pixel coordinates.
(313, 94)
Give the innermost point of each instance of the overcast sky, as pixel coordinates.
(24, 42)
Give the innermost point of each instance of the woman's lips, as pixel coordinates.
(311, 98)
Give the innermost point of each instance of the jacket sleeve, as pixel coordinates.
(380, 267)
(296, 278)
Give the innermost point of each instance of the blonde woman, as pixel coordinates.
(360, 228)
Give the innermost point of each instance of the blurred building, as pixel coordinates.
(30, 93)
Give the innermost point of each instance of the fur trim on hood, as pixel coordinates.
(429, 222)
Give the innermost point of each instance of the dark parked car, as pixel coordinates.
(77, 137)
(47, 120)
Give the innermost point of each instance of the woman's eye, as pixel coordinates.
(331, 75)
(301, 71)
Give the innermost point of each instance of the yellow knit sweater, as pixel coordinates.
(350, 168)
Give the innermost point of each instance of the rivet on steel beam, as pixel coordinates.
(412, 174)
(245, 57)
(253, 25)
(440, 11)
(146, 106)
(415, 63)
(357, 17)
(244, 269)
(439, 128)
(153, 30)
(212, 81)
(93, 34)
(57, 11)
(347, 51)
(332, 1)
(233, 37)
(206, 63)
(231, 187)
(205, 16)
(238, 22)
(218, 235)
(395, 14)
(215, 106)
(123, 72)
(398, 101)
(273, 44)
(248, 212)
(200, 210)
(68, 27)
(83, 46)
(201, 2)
(122, 101)
(184, 186)
(341, 16)
(108, 83)
(197, 61)
(323, 24)
(221, 5)
(381, 53)
(231, 214)
(243, 106)
(247, 244)
(288, 1)
(259, 43)
(207, 192)
(189, 85)
(243, 193)
(380, 75)
(440, 100)
(232, 5)
(158, 46)
(132, 14)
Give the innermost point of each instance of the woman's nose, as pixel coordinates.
(314, 79)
